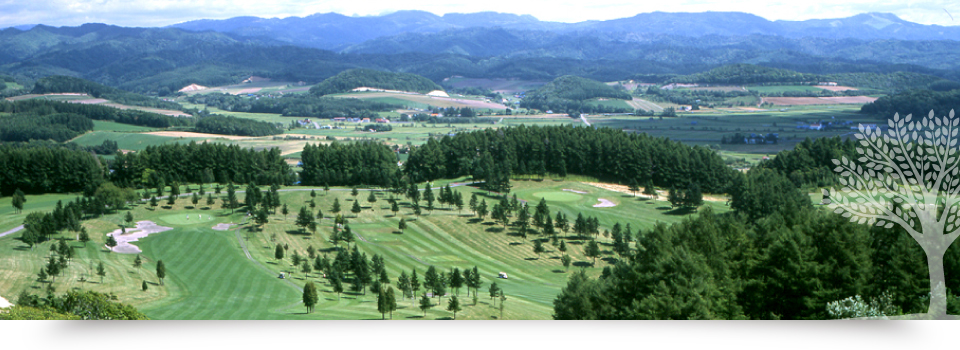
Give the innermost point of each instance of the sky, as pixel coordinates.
(156, 13)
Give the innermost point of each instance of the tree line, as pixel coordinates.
(916, 102)
(95, 112)
(230, 125)
(353, 78)
(61, 84)
(200, 163)
(48, 169)
(300, 105)
(348, 164)
(603, 153)
(809, 164)
(58, 127)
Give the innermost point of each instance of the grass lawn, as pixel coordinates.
(210, 277)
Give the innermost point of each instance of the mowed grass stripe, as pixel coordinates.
(214, 279)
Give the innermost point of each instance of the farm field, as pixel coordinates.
(766, 89)
(503, 86)
(435, 101)
(86, 99)
(210, 277)
(806, 101)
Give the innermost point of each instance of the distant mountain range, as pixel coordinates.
(653, 46)
(334, 31)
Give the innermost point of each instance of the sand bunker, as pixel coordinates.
(574, 191)
(4, 303)
(143, 229)
(222, 227)
(604, 203)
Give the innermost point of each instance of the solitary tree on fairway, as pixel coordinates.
(313, 193)
(18, 200)
(454, 306)
(356, 208)
(304, 218)
(494, 292)
(372, 199)
(144, 286)
(128, 218)
(502, 299)
(231, 197)
(425, 304)
(395, 208)
(336, 281)
(210, 200)
(403, 283)
(278, 253)
(310, 297)
(137, 262)
(153, 202)
(336, 206)
(101, 271)
(391, 301)
(565, 260)
(592, 250)
(537, 247)
(284, 211)
(482, 209)
(193, 199)
(354, 192)
(111, 242)
(414, 283)
(161, 271)
(473, 202)
(261, 217)
(634, 187)
(84, 236)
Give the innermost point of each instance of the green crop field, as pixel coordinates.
(100, 125)
(127, 140)
(209, 275)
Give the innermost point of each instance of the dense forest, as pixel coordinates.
(809, 164)
(200, 163)
(64, 84)
(738, 74)
(604, 153)
(95, 112)
(229, 125)
(302, 105)
(354, 78)
(358, 163)
(47, 169)
(916, 102)
(776, 257)
(59, 127)
(568, 93)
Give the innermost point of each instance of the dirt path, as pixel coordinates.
(143, 229)
(583, 117)
(14, 230)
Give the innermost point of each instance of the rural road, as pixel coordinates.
(584, 119)
(14, 230)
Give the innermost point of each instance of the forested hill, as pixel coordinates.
(567, 94)
(62, 84)
(916, 102)
(745, 74)
(354, 78)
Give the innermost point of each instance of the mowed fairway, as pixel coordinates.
(209, 275)
(209, 278)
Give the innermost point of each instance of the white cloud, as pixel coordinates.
(165, 12)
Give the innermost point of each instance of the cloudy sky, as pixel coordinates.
(150, 13)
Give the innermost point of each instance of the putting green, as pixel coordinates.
(557, 196)
(184, 219)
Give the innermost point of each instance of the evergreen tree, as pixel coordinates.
(284, 211)
(278, 253)
(195, 199)
(633, 186)
(137, 262)
(414, 282)
(456, 280)
(482, 209)
(537, 247)
(425, 304)
(128, 218)
(458, 201)
(231, 197)
(143, 286)
(693, 197)
(354, 192)
(84, 236)
(153, 202)
(310, 297)
(675, 197)
(391, 301)
(161, 271)
(383, 306)
(336, 206)
(111, 242)
(101, 271)
(372, 199)
(403, 283)
(649, 189)
(336, 281)
(473, 202)
(395, 208)
(454, 306)
(304, 218)
(592, 250)
(210, 200)
(356, 208)
(565, 260)
(403, 225)
(494, 292)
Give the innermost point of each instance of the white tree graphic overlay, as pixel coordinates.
(907, 177)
